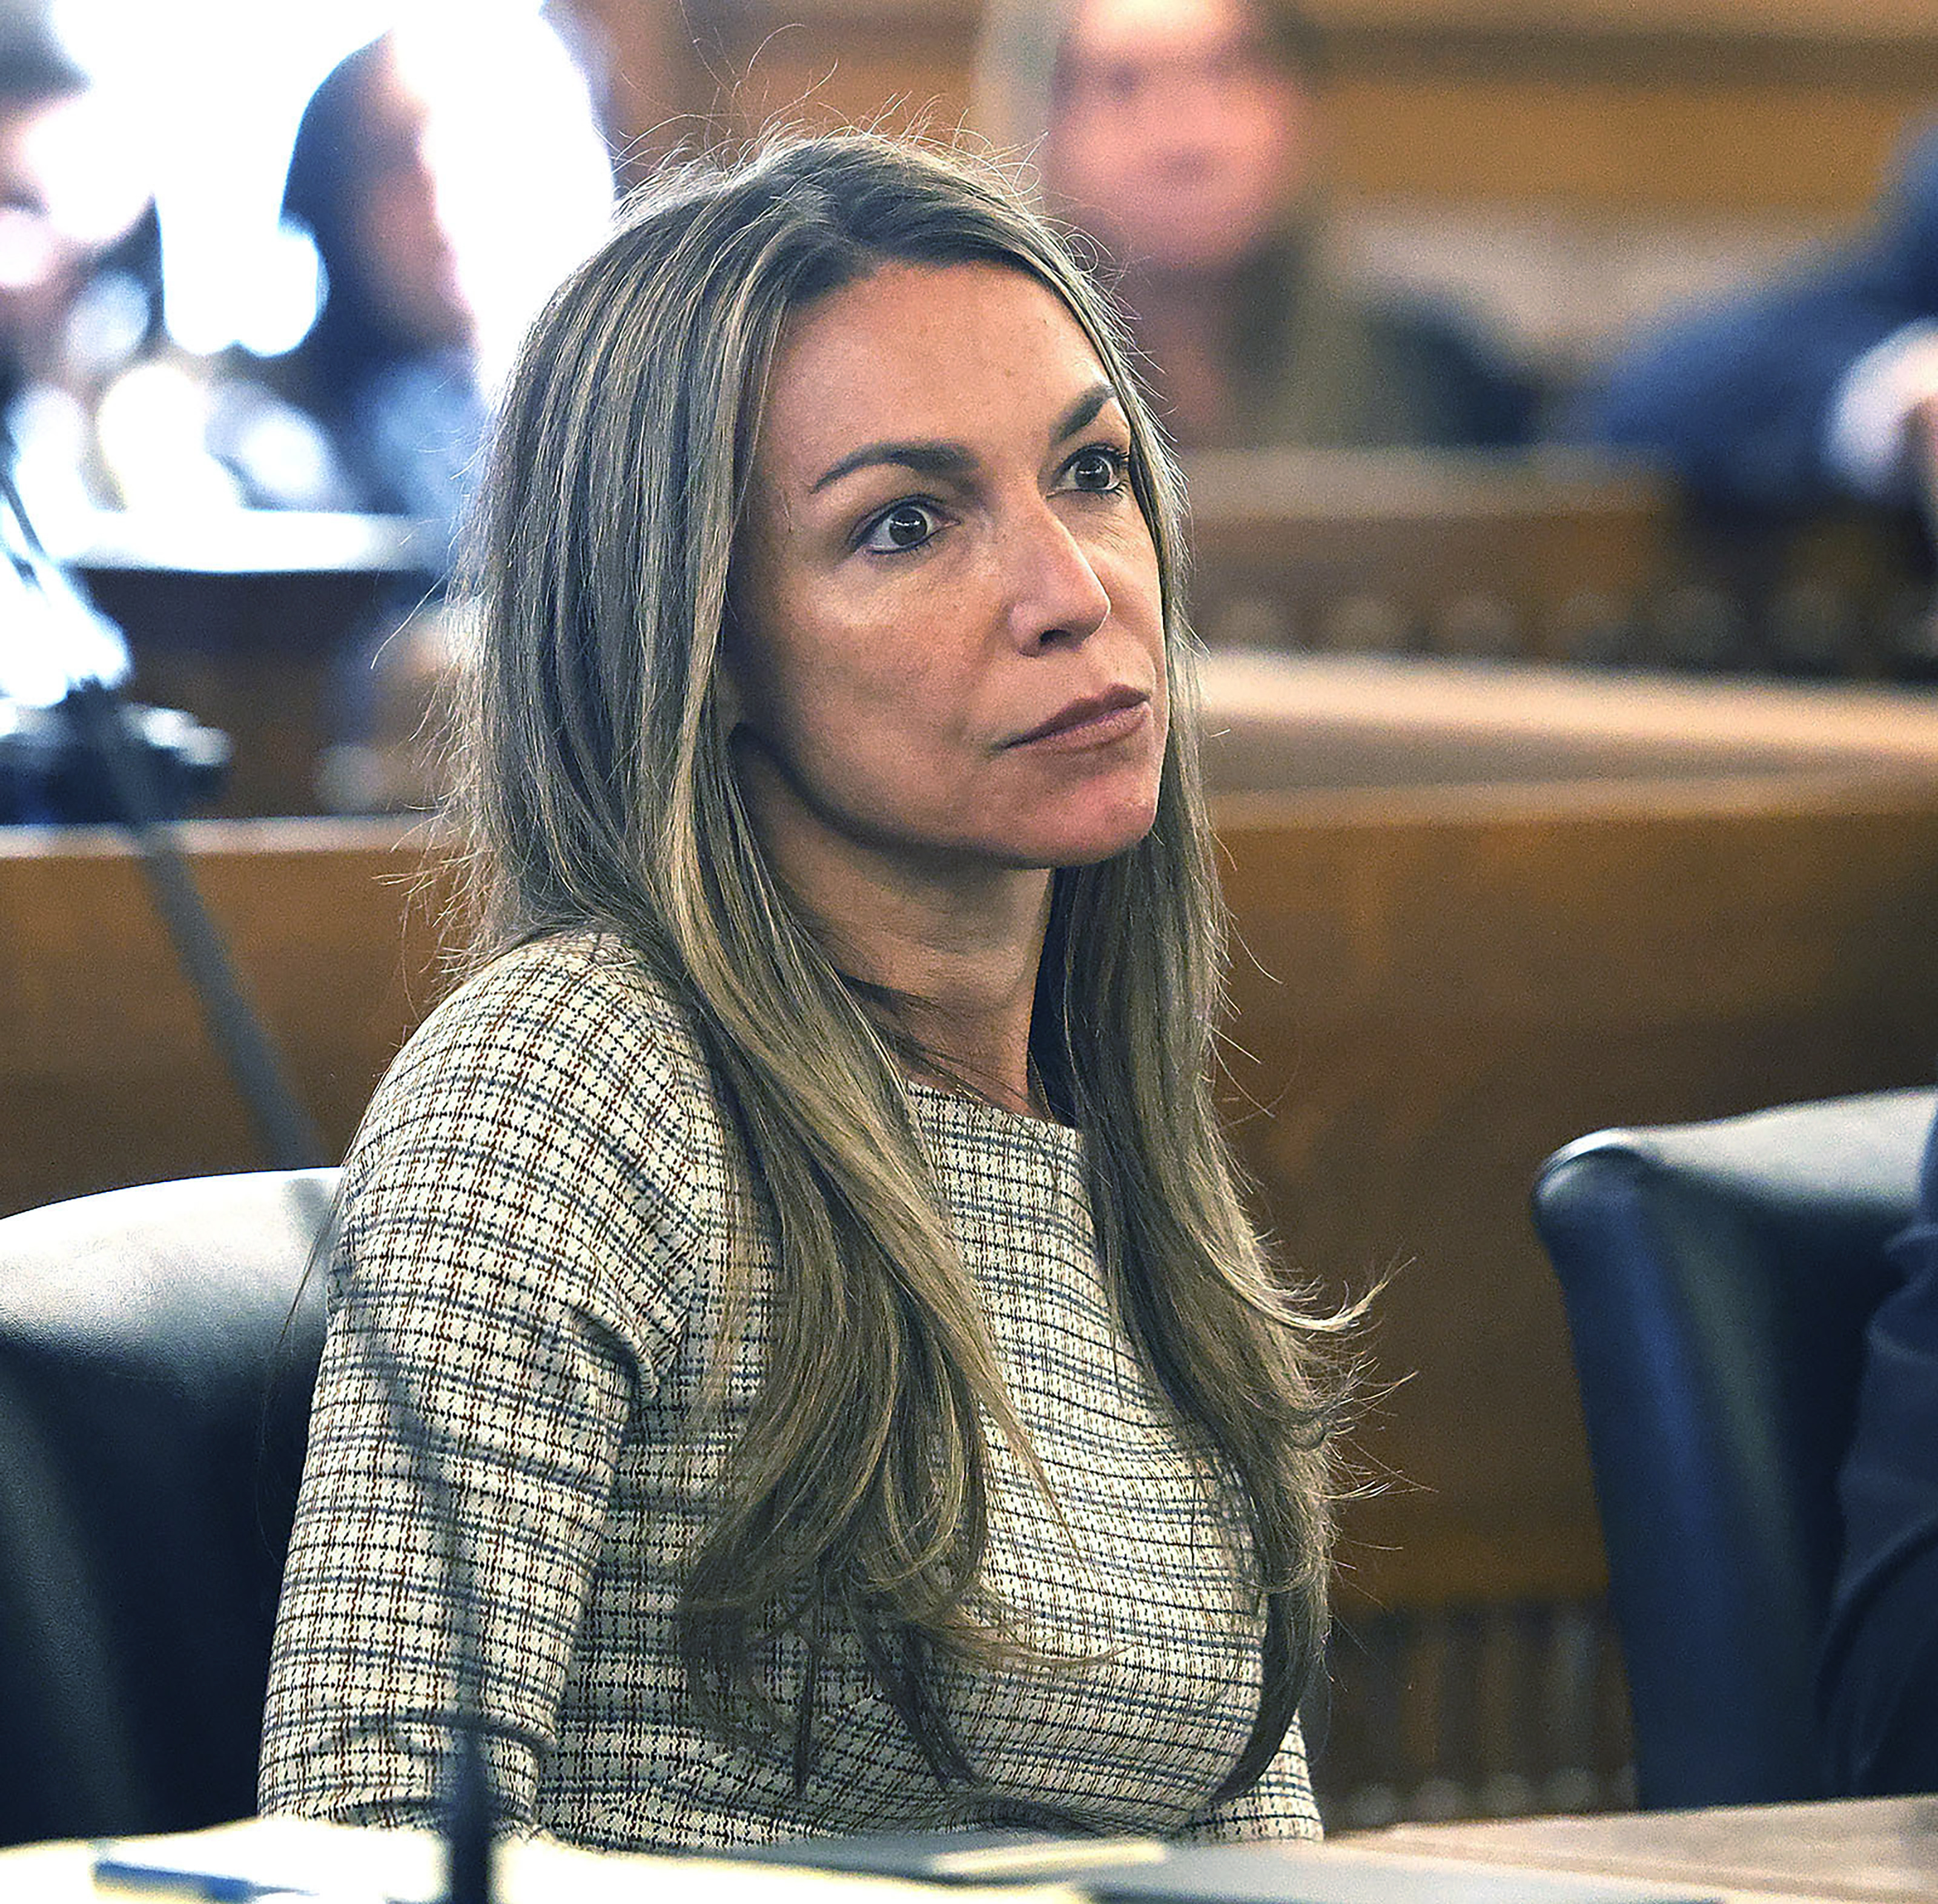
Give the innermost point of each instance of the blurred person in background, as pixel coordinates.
(1817, 390)
(1189, 138)
(450, 172)
(79, 271)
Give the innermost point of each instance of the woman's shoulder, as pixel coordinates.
(546, 1143)
(573, 1035)
(564, 986)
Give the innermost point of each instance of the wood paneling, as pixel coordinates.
(1868, 1851)
(1615, 146)
(1289, 545)
(106, 1075)
(1434, 986)
(1434, 991)
(1603, 106)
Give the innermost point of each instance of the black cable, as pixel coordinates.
(290, 1138)
(98, 719)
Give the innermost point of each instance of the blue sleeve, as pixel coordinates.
(1735, 398)
(1735, 402)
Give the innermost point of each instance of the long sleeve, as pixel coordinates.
(1739, 399)
(1737, 402)
(509, 1240)
(1281, 1805)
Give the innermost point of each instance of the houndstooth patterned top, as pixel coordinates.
(539, 1216)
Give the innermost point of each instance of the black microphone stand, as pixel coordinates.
(100, 720)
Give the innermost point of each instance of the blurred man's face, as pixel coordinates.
(1176, 136)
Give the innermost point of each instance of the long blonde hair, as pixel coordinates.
(599, 791)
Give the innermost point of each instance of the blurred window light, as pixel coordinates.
(272, 305)
(207, 94)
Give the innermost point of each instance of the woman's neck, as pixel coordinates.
(955, 950)
(962, 970)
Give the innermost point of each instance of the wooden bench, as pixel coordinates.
(1479, 912)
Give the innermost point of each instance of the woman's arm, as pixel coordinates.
(512, 1240)
(1280, 1806)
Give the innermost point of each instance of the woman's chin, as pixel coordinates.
(1087, 840)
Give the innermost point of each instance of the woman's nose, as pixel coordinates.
(1055, 593)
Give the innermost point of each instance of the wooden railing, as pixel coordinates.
(1661, 106)
(1538, 904)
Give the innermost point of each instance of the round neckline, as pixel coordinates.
(967, 1104)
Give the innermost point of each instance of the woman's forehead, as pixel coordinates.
(971, 352)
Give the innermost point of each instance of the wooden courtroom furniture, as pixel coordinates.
(1693, 900)
(106, 1075)
(1483, 908)
(1433, 994)
(248, 620)
(1482, 911)
(1553, 555)
(1451, 552)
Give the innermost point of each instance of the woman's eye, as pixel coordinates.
(1099, 470)
(908, 525)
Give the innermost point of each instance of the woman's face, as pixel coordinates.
(947, 641)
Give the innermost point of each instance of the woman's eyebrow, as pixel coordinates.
(952, 461)
(929, 459)
(1084, 410)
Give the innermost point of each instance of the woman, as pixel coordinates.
(861, 1402)
(1190, 139)
(450, 172)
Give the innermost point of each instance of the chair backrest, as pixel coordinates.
(1718, 1278)
(156, 1367)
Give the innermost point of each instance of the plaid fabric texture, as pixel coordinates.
(540, 1218)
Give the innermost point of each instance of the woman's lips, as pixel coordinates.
(1095, 721)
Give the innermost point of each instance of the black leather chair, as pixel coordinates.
(154, 1394)
(1718, 1278)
